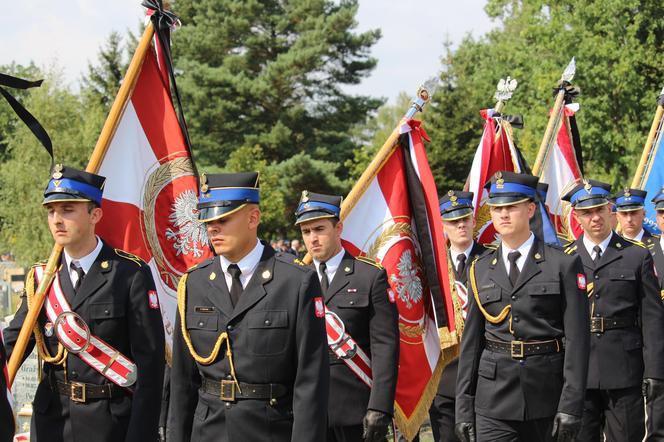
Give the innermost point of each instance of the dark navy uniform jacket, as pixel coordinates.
(548, 302)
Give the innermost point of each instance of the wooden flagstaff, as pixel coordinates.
(653, 136)
(423, 96)
(554, 119)
(110, 125)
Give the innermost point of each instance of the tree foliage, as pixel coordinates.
(617, 45)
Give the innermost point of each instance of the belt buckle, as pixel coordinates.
(597, 325)
(77, 392)
(227, 390)
(516, 349)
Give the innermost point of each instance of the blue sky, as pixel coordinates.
(68, 33)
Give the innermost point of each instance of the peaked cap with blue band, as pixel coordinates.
(630, 199)
(659, 200)
(456, 205)
(224, 193)
(588, 194)
(317, 206)
(73, 185)
(507, 188)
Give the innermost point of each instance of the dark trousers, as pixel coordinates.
(655, 419)
(616, 413)
(441, 415)
(351, 433)
(489, 429)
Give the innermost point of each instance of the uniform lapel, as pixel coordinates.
(498, 272)
(340, 280)
(612, 252)
(65, 281)
(587, 260)
(218, 293)
(95, 278)
(532, 265)
(255, 290)
(658, 257)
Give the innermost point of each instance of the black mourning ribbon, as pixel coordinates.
(571, 92)
(162, 22)
(660, 100)
(515, 120)
(29, 119)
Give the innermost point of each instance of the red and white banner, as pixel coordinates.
(150, 194)
(495, 152)
(381, 225)
(561, 172)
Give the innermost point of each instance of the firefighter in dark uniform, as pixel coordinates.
(630, 211)
(654, 392)
(456, 210)
(113, 293)
(523, 363)
(249, 350)
(626, 322)
(356, 291)
(7, 424)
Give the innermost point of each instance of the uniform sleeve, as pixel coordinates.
(652, 317)
(184, 389)
(312, 379)
(6, 415)
(384, 334)
(472, 345)
(146, 335)
(577, 336)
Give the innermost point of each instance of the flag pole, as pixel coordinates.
(424, 94)
(637, 182)
(554, 118)
(110, 125)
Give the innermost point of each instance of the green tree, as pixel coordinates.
(270, 73)
(617, 46)
(102, 80)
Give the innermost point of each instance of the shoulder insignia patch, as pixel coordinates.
(299, 262)
(369, 261)
(571, 249)
(129, 256)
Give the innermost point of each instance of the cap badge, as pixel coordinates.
(305, 196)
(627, 194)
(56, 183)
(204, 184)
(587, 186)
(454, 199)
(450, 193)
(57, 172)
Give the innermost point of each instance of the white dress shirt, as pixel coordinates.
(455, 253)
(331, 265)
(638, 237)
(589, 245)
(247, 265)
(85, 262)
(524, 249)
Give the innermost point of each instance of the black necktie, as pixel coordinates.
(514, 270)
(598, 254)
(324, 282)
(461, 266)
(236, 285)
(79, 271)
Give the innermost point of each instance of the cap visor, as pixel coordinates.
(64, 197)
(629, 208)
(313, 215)
(213, 213)
(457, 214)
(499, 201)
(591, 203)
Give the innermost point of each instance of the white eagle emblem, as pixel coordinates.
(189, 234)
(407, 285)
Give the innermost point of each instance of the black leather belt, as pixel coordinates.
(228, 392)
(521, 349)
(599, 324)
(81, 392)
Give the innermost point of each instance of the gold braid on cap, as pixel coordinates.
(42, 349)
(492, 319)
(207, 360)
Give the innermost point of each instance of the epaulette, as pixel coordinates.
(129, 256)
(638, 243)
(200, 265)
(657, 236)
(571, 249)
(369, 261)
(289, 258)
(492, 245)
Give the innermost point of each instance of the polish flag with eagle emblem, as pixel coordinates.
(396, 221)
(150, 194)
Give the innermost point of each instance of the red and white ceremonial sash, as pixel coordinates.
(345, 347)
(99, 355)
